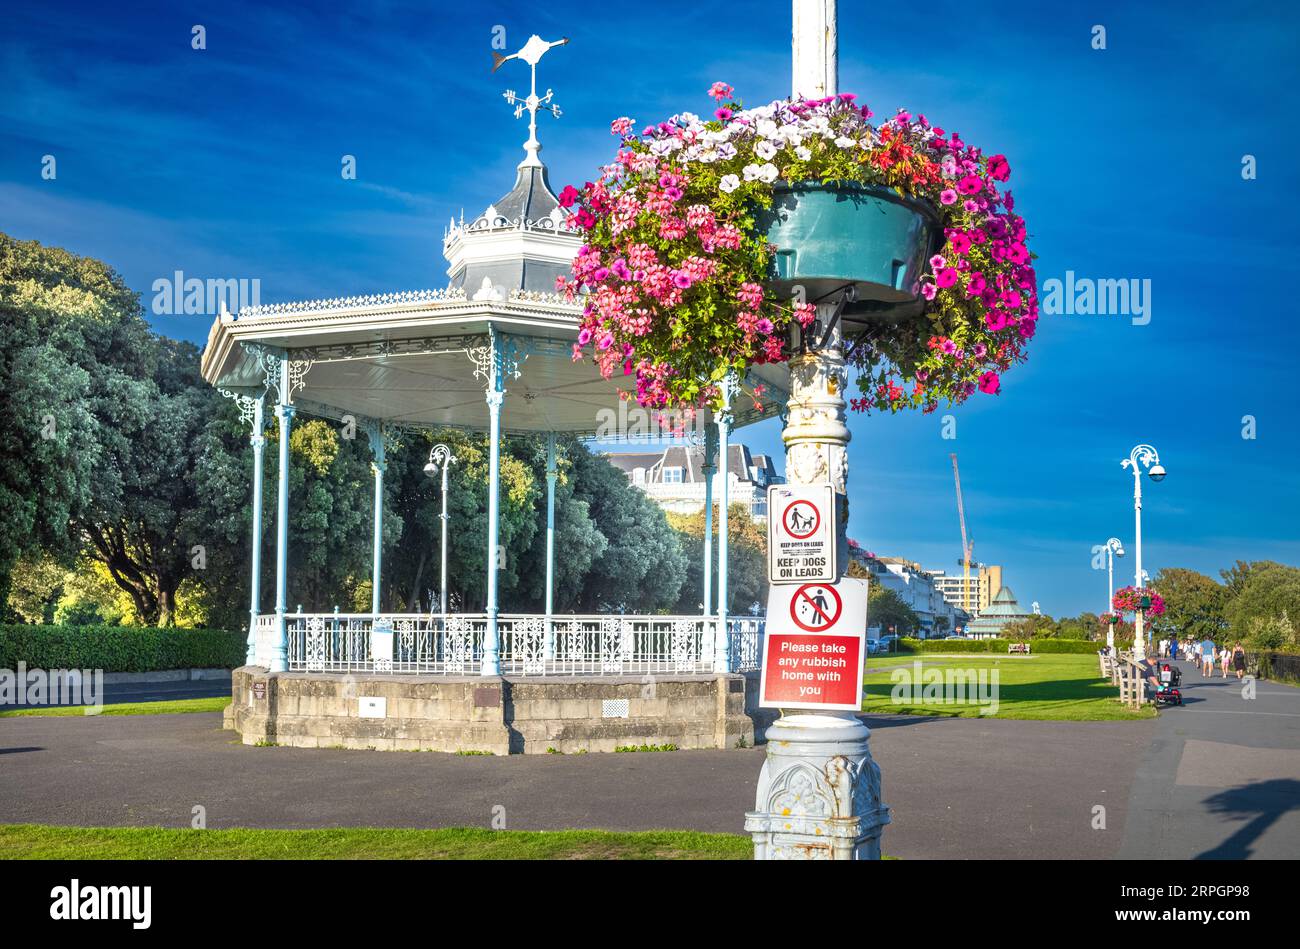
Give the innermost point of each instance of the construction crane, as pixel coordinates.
(967, 547)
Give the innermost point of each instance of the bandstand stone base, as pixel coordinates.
(500, 715)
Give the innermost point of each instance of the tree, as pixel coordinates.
(1194, 604)
(74, 346)
(1269, 591)
(746, 559)
(643, 567)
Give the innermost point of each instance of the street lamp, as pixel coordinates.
(441, 459)
(1113, 549)
(1143, 456)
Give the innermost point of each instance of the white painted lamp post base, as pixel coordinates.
(818, 792)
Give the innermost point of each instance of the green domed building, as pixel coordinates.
(1002, 612)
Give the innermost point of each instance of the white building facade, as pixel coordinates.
(675, 478)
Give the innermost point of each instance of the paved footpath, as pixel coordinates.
(959, 788)
(1221, 779)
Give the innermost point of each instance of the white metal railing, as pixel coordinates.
(605, 644)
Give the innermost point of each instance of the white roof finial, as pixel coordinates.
(532, 54)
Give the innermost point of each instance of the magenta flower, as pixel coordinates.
(724, 114)
(970, 185)
(569, 196)
(989, 383)
(946, 277)
(999, 169)
(948, 196)
(720, 91)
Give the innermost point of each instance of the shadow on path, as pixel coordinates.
(1264, 802)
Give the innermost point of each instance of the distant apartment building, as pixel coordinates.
(675, 478)
(984, 582)
(935, 614)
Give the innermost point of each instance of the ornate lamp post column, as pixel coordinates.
(1143, 456)
(1113, 549)
(819, 762)
(441, 458)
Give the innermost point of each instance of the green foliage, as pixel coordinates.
(1194, 605)
(1266, 591)
(746, 557)
(120, 648)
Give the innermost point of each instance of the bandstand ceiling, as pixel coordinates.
(417, 359)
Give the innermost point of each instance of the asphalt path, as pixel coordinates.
(959, 788)
(1221, 779)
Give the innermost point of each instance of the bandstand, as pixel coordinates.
(493, 352)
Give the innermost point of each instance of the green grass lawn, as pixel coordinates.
(1045, 687)
(216, 704)
(39, 842)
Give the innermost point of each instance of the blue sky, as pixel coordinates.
(1126, 163)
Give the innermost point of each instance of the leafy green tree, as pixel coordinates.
(1269, 591)
(746, 560)
(643, 568)
(73, 347)
(1194, 605)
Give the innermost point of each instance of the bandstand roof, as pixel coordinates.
(416, 359)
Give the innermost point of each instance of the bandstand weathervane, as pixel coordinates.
(532, 54)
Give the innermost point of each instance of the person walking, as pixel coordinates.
(1239, 660)
(1225, 656)
(1207, 658)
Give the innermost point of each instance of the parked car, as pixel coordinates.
(873, 646)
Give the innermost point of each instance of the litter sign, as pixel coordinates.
(801, 533)
(814, 645)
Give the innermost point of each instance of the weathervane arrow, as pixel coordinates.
(532, 53)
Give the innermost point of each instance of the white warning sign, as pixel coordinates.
(801, 533)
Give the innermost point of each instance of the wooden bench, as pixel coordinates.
(1022, 648)
(1132, 682)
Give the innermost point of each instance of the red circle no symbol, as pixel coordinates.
(824, 614)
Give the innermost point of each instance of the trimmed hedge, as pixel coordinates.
(120, 648)
(998, 646)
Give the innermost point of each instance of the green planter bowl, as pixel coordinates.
(829, 236)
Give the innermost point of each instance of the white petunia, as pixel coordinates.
(765, 150)
(766, 128)
(728, 184)
(768, 173)
(726, 150)
(804, 153)
(844, 142)
(751, 172)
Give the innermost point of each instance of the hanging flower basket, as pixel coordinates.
(1132, 599)
(828, 236)
(1108, 618)
(707, 239)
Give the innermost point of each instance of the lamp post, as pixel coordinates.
(1113, 549)
(1143, 456)
(441, 458)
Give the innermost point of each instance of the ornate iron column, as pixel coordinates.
(284, 412)
(375, 432)
(551, 475)
(710, 469)
(259, 445)
(722, 639)
(494, 362)
(253, 411)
